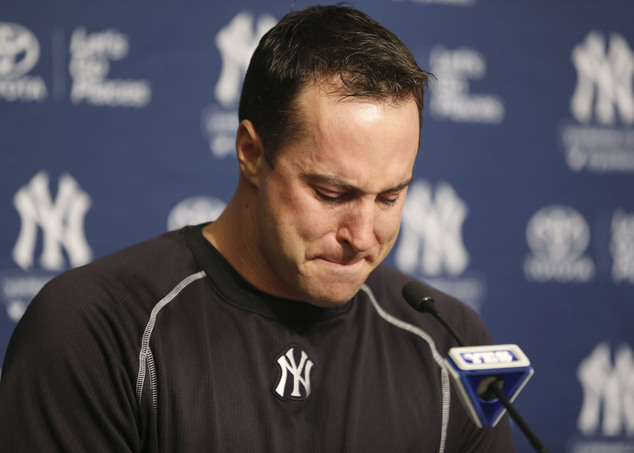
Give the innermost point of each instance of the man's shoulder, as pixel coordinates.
(142, 272)
(386, 284)
(168, 250)
(152, 250)
(388, 281)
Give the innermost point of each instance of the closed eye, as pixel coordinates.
(389, 200)
(331, 197)
(333, 190)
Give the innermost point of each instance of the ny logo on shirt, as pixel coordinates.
(297, 388)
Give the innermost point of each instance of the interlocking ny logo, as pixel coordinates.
(608, 390)
(608, 74)
(297, 388)
(236, 43)
(431, 234)
(62, 223)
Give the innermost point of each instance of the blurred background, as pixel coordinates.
(117, 123)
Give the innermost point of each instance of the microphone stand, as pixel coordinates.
(494, 389)
(416, 295)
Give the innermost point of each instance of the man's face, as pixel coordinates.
(329, 211)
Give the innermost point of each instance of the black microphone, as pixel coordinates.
(483, 375)
(419, 298)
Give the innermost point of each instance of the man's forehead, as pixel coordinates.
(334, 90)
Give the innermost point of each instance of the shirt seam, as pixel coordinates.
(444, 375)
(146, 359)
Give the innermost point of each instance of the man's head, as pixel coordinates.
(323, 43)
(328, 137)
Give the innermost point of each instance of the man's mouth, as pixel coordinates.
(349, 265)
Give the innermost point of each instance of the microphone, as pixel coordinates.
(419, 298)
(487, 378)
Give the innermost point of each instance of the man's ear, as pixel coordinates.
(249, 151)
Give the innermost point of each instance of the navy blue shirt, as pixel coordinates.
(165, 347)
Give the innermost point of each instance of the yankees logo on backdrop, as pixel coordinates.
(56, 225)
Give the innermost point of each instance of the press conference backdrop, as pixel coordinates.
(117, 123)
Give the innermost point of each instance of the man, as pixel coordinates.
(275, 328)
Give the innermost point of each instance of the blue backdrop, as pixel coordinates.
(117, 122)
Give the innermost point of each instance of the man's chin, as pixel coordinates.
(336, 297)
(333, 285)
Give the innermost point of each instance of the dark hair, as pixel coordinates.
(318, 43)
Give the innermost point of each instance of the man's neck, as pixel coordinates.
(233, 234)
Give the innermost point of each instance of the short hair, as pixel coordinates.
(320, 43)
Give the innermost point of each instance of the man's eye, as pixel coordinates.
(390, 201)
(389, 198)
(330, 198)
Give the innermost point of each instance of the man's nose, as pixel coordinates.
(357, 226)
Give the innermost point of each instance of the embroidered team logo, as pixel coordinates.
(295, 368)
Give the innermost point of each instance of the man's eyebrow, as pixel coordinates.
(400, 186)
(334, 181)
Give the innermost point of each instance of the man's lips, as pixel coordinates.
(341, 262)
(341, 258)
(353, 264)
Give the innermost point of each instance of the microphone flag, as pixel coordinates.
(474, 368)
